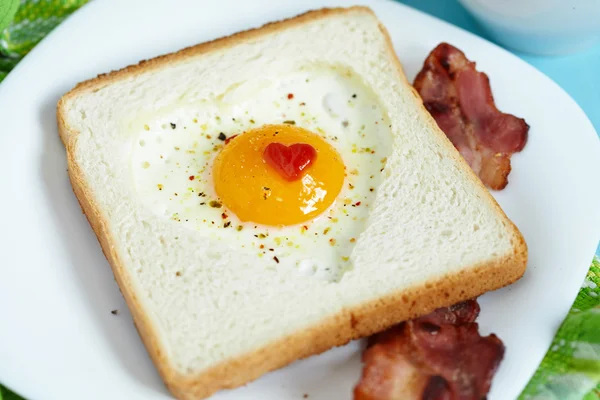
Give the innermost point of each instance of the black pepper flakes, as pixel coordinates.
(289, 122)
(214, 204)
(114, 312)
(222, 136)
(276, 259)
(173, 126)
(354, 96)
(227, 224)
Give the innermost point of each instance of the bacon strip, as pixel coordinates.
(460, 99)
(440, 356)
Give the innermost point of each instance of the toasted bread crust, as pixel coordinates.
(350, 324)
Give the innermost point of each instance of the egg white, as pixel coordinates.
(172, 155)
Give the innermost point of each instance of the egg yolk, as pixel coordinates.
(256, 191)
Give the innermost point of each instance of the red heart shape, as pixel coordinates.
(290, 162)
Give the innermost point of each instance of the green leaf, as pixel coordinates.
(6, 394)
(8, 9)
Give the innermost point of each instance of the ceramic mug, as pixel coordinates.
(547, 27)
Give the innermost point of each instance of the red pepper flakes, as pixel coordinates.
(192, 177)
(262, 246)
(290, 96)
(303, 104)
(357, 203)
(224, 216)
(229, 139)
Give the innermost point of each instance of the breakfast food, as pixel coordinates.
(442, 355)
(438, 356)
(460, 99)
(179, 162)
(208, 177)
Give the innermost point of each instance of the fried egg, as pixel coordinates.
(203, 166)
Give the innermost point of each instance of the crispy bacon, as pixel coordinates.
(440, 356)
(460, 99)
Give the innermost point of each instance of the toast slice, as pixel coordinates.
(211, 316)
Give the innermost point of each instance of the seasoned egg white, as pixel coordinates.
(172, 156)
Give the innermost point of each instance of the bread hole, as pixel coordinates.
(440, 155)
(159, 140)
(405, 299)
(446, 233)
(146, 224)
(83, 114)
(475, 228)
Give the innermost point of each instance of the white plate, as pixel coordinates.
(58, 338)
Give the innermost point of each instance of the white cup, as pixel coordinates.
(547, 27)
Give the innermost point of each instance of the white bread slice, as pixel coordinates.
(435, 236)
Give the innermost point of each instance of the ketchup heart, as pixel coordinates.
(290, 161)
